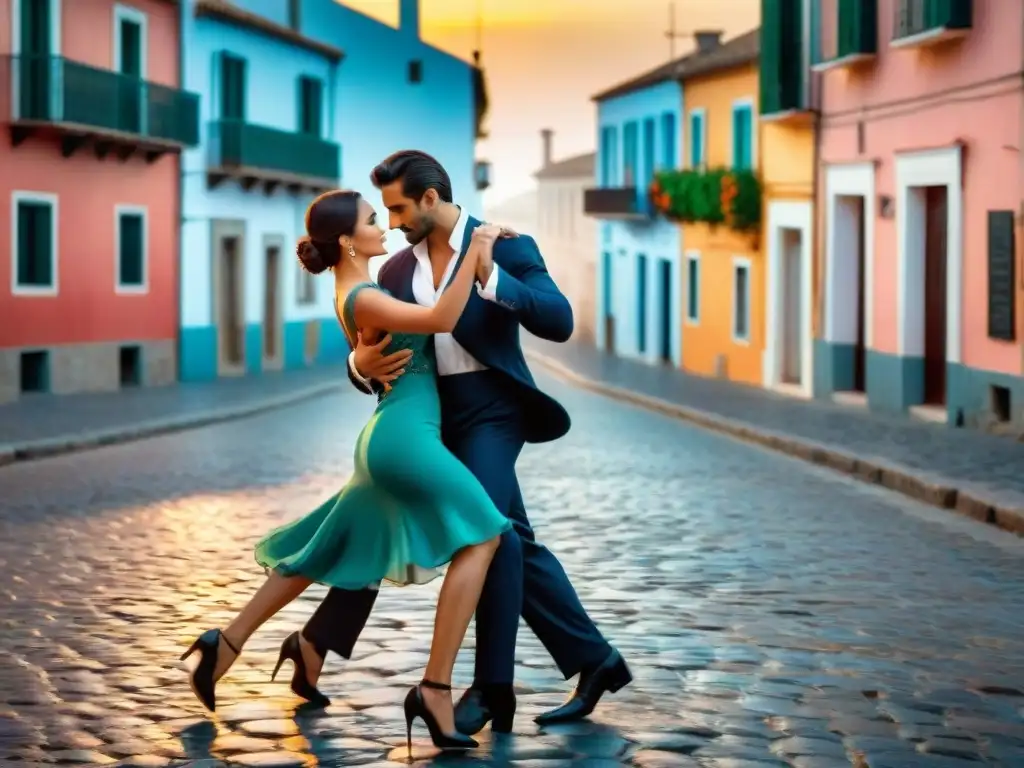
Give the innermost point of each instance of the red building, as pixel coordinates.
(90, 100)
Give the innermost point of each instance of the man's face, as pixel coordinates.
(415, 219)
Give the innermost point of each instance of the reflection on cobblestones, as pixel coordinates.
(773, 615)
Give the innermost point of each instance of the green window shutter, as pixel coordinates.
(311, 108)
(742, 138)
(132, 252)
(696, 139)
(35, 244)
(232, 87)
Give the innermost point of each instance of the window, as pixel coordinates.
(34, 241)
(35, 371)
(609, 155)
(232, 87)
(629, 155)
(641, 303)
(131, 249)
(305, 287)
(743, 135)
(129, 41)
(741, 300)
(668, 141)
(693, 288)
(650, 151)
(415, 71)
(311, 106)
(698, 132)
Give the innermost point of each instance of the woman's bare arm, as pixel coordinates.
(378, 310)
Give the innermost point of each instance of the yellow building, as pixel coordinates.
(788, 165)
(723, 329)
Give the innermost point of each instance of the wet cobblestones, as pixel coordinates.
(773, 613)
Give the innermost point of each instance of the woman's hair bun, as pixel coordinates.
(310, 257)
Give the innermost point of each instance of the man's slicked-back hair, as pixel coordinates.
(417, 171)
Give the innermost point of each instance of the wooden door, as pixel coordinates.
(34, 65)
(935, 295)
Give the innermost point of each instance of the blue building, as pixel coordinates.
(299, 96)
(638, 261)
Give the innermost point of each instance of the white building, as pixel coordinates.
(553, 214)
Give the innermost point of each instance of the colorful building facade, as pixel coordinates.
(788, 99)
(312, 80)
(96, 119)
(722, 324)
(920, 196)
(638, 264)
(267, 111)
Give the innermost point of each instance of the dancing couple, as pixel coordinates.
(437, 339)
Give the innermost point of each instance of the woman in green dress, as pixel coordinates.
(410, 507)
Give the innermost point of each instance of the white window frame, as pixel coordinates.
(702, 113)
(691, 318)
(119, 287)
(55, 50)
(748, 104)
(304, 279)
(24, 196)
(738, 263)
(134, 15)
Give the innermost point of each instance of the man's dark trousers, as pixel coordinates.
(482, 427)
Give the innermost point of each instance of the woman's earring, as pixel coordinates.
(351, 252)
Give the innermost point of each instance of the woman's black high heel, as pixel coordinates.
(201, 680)
(291, 649)
(415, 707)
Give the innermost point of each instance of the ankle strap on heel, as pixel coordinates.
(436, 686)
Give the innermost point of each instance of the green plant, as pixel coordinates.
(713, 196)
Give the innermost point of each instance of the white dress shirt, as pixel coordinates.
(452, 358)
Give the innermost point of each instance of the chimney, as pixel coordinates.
(294, 19)
(546, 136)
(707, 40)
(409, 17)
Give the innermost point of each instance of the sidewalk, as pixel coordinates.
(44, 425)
(977, 474)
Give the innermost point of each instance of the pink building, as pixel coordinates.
(919, 191)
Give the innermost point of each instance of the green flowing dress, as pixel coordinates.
(409, 506)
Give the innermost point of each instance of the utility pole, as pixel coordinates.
(672, 33)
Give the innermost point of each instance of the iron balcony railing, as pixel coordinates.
(238, 144)
(56, 90)
(615, 202)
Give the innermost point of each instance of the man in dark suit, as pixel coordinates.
(491, 407)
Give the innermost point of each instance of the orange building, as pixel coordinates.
(90, 98)
(723, 274)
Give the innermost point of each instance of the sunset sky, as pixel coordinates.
(545, 58)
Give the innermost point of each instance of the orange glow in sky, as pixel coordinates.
(544, 59)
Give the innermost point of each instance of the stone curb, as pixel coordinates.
(41, 449)
(989, 505)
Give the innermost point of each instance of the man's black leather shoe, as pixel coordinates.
(610, 675)
(494, 704)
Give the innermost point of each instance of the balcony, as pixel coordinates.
(920, 23)
(272, 158)
(85, 106)
(626, 203)
(785, 90)
(855, 27)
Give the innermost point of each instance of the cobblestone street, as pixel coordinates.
(773, 613)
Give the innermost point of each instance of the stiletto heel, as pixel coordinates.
(502, 723)
(201, 680)
(415, 707)
(291, 649)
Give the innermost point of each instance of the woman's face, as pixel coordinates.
(368, 238)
